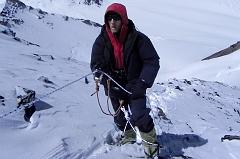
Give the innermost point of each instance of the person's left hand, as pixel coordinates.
(139, 90)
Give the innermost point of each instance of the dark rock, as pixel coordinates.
(66, 18)
(45, 80)
(187, 82)
(230, 137)
(177, 87)
(17, 39)
(216, 93)
(2, 99)
(224, 52)
(91, 23)
(9, 32)
(42, 12)
(90, 2)
(12, 7)
(86, 80)
(18, 21)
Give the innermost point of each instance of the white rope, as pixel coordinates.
(126, 115)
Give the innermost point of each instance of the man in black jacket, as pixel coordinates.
(130, 58)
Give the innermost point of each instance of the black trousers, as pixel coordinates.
(140, 114)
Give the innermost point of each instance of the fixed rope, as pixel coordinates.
(46, 95)
(70, 83)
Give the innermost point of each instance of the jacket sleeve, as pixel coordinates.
(97, 56)
(150, 60)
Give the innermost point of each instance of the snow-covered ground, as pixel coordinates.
(183, 32)
(198, 111)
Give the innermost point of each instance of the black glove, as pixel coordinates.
(139, 89)
(97, 75)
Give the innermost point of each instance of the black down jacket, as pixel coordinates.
(141, 61)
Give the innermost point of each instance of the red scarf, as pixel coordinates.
(117, 44)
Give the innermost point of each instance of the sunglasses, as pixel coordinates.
(115, 17)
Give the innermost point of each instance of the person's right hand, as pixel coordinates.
(97, 75)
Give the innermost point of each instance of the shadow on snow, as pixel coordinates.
(41, 105)
(173, 144)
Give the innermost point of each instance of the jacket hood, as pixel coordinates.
(117, 8)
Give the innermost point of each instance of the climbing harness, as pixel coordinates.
(26, 105)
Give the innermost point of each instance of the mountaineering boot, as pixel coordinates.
(129, 137)
(151, 149)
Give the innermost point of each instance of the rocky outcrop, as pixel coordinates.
(8, 15)
(89, 2)
(11, 8)
(224, 52)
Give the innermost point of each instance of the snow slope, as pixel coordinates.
(224, 69)
(197, 114)
(19, 66)
(189, 29)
